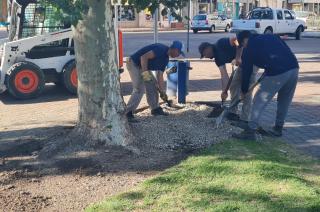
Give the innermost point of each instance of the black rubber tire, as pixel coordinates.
(211, 29)
(12, 74)
(298, 33)
(227, 29)
(268, 31)
(195, 31)
(66, 77)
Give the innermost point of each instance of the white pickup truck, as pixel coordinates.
(265, 20)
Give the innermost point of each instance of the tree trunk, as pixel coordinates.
(101, 106)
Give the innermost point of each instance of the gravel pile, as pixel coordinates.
(184, 129)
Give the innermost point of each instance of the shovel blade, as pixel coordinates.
(220, 119)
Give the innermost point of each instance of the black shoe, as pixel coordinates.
(276, 131)
(158, 112)
(247, 134)
(233, 117)
(131, 118)
(241, 124)
(263, 132)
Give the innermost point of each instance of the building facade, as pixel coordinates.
(3, 11)
(305, 5)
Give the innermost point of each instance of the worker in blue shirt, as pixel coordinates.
(154, 57)
(271, 53)
(227, 50)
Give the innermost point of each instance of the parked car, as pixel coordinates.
(210, 23)
(270, 21)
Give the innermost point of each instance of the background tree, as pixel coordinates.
(101, 106)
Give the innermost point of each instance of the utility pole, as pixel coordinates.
(188, 35)
(155, 26)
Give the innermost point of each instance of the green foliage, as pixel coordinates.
(72, 10)
(69, 11)
(230, 176)
(172, 5)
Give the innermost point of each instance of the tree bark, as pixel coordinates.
(101, 106)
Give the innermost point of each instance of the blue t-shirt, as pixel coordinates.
(268, 52)
(160, 61)
(223, 52)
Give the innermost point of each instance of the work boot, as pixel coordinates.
(233, 117)
(276, 131)
(131, 118)
(263, 132)
(241, 124)
(158, 112)
(247, 134)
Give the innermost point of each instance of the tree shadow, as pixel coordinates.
(51, 93)
(22, 151)
(304, 78)
(302, 127)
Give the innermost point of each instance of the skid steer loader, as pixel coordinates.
(38, 50)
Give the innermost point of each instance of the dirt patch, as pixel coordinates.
(80, 175)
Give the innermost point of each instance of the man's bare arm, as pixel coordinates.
(144, 60)
(234, 42)
(238, 56)
(224, 77)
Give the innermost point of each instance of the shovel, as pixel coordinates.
(226, 110)
(218, 110)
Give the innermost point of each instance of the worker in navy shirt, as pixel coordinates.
(272, 54)
(227, 50)
(154, 57)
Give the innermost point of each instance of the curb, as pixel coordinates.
(310, 36)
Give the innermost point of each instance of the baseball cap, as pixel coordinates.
(178, 45)
(202, 47)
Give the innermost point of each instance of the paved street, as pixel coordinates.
(133, 41)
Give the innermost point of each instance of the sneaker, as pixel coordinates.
(247, 134)
(131, 118)
(233, 117)
(158, 112)
(241, 124)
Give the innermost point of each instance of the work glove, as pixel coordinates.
(146, 76)
(172, 70)
(224, 96)
(163, 96)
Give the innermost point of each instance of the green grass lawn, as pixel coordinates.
(231, 176)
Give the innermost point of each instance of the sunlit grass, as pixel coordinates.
(231, 176)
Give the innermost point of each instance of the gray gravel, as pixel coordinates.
(187, 128)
